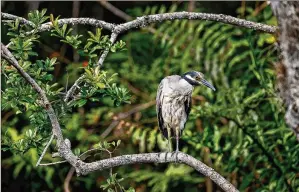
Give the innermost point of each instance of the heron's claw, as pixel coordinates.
(176, 156)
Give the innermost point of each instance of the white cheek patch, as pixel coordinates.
(189, 77)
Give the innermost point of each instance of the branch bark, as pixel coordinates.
(157, 18)
(13, 17)
(287, 13)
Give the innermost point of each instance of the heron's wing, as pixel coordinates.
(159, 103)
(188, 105)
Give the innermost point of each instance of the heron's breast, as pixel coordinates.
(173, 110)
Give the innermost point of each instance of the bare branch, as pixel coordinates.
(115, 10)
(45, 150)
(157, 18)
(53, 163)
(86, 168)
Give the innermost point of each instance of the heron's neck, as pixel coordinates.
(185, 84)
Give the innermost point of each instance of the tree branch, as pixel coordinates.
(125, 16)
(76, 21)
(13, 17)
(86, 168)
(156, 18)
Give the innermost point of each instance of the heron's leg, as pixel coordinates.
(177, 134)
(169, 139)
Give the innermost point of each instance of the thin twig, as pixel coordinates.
(126, 17)
(53, 163)
(71, 91)
(105, 53)
(115, 10)
(121, 116)
(100, 62)
(45, 150)
(66, 184)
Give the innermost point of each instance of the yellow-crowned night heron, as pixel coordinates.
(173, 102)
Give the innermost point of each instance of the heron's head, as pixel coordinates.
(197, 78)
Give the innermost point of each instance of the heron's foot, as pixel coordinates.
(176, 152)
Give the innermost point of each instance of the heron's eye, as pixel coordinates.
(197, 78)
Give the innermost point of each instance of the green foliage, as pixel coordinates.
(173, 175)
(20, 98)
(239, 130)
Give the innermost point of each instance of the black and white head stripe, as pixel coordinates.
(197, 78)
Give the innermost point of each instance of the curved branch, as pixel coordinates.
(86, 168)
(157, 18)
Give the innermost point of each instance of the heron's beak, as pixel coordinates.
(208, 84)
